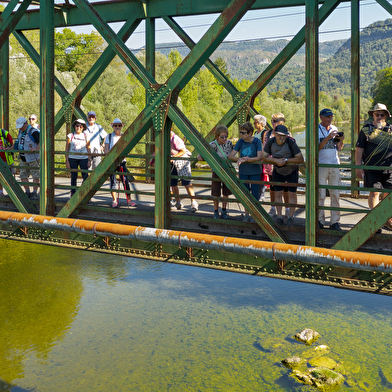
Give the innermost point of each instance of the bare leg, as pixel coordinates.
(26, 187)
(278, 199)
(35, 187)
(374, 198)
(293, 200)
(225, 201)
(191, 192)
(176, 193)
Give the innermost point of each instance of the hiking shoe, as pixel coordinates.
(287, 214)
(194, 206)
(34, 196)
(321, 226)
(280, 221)
(27, 194)
(179, 205)
(224, 215)
(216, 215)
(114, 204)
(336, 227)
(379, 231)
(246, 218)
(290, 221)
(3, 195)
(131, 203)
(272, 212)
(172, 203)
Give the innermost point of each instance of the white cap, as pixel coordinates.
(20, 122)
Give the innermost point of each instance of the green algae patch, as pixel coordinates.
(324, 362)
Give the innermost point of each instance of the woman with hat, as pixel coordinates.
(78, 144)
(110, 141)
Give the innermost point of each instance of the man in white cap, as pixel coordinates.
(97, 137)
(330, 142)
(374, 148)
(28, 142)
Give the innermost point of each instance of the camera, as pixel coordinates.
(336, 139)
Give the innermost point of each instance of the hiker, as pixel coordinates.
(6, 143)
(97, 137)
(77, 145)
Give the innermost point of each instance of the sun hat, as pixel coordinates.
(20, 122)
(380, 107)
(281, 129)
(326, 112)
(80, 121)
(116, 121)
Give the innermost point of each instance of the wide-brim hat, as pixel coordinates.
(80, 121)
(380, 107)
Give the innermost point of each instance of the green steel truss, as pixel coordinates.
(161, 109)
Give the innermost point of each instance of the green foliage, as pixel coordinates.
(76, 52)
(382, 88)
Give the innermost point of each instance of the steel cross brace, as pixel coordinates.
(9, 20)
(367, 226)
(94, 73)
(178, 80)
(276, 65)
(19, 198)
(221, 168)
(387, 6)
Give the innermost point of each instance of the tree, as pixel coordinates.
(381, 90)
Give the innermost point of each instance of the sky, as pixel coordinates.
(261, 24)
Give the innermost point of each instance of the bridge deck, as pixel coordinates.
(99, 208)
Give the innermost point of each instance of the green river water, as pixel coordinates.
(83, 321)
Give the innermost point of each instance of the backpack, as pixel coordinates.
(4, 135)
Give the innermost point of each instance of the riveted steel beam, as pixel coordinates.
(367, 226)
(17, 195)
(47, 107)
(386, 5)
(4, 87)
(221, 168)
(11, 20)
(312, 89)
(144, 77)
(94, 73)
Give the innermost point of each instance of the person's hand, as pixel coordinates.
(359, 173)
(280, 162)
(67, 165)
(242, 160)
(89, 163)
(332, 134)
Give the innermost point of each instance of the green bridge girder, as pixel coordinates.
(161, 109)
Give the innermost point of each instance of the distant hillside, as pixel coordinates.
(247, 59)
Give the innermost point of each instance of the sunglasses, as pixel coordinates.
(32, 118)
(243, 133)
(78, 125)
(380, 115)
(117, 126)
(223, 137)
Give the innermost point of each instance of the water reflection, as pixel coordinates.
(87, 321)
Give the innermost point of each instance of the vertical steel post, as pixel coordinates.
(150, 66)
(312, 87)
(355, 80)
(4, 87)
(47, 107)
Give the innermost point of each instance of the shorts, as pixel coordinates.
(378, 179)
(218, 188)
(30, 168)
(292, 178)
(174, 181)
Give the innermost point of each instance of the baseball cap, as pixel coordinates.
(92, 113)
(326, 112)
(116, 121)
(282, 129)
(20, 122)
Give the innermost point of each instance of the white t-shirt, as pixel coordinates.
(96, 133)
(329, 153)
(78, 143)
(112, 140)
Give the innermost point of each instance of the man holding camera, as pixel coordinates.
(373, 148)
(330, 142)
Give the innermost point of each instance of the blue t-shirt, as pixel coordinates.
(249, 150)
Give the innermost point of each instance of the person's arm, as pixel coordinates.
(106, 147)
(232, 156)
(89, 152)
(358, 161)
(340, 145)
(35, 136)
(10, 142)
(67, 150)
(330, 136)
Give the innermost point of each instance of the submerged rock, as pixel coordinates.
(326, 362)
(322, 347)
(320, 377)
(292, 362)
(307, 336)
